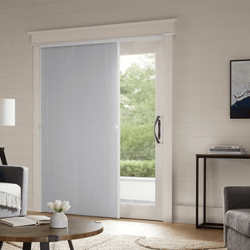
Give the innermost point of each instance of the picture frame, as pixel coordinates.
(240, 89)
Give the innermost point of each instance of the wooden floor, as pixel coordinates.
(155, 229)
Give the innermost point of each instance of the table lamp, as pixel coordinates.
(7, 118)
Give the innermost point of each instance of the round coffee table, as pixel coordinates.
(78, 228)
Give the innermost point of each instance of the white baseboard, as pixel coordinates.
(187, 214)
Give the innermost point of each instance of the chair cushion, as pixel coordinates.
(239, 220)
(10, 195)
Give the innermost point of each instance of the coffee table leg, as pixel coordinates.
(1, 244)
(70, 245)
(27, 246)
(44, 245)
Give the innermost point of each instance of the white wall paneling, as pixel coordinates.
(15, 48)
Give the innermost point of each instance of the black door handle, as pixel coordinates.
(157, 138)
(159, 129)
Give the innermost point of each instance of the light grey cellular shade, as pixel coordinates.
(79, 136)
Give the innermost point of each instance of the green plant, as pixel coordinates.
(137, 168)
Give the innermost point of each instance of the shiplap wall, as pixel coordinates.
(209, 34)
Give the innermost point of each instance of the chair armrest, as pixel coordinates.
(17, 175)
(236, 198)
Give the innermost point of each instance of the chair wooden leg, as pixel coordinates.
(70, 245)
(1, 244)
(44, 245)
(27, 246)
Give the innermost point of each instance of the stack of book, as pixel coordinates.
(227, 150)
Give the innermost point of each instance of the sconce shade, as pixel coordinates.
(7, 112)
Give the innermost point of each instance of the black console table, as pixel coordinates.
(205, 224)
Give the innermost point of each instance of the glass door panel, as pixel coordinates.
(140, 103)
(137, 146)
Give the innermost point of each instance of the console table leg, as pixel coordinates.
(1, 244)
(44, 245)
(70, 245)
(197, 192)
(27, 246)
(204, 191)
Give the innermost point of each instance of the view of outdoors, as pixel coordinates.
(137, 115)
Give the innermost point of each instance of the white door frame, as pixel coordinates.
(100, 34)
(149, 211)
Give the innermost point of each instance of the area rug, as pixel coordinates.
(113, 242)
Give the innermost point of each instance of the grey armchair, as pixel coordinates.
(17, 175)
(237, 218)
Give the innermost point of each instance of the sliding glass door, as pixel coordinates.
(103, 168)
(80, 135)
(141, 136)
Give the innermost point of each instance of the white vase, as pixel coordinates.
(58, 220)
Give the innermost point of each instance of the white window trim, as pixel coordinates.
(95, 34)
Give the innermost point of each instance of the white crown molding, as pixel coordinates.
(101, 32)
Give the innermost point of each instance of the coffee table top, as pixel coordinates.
(77, 228)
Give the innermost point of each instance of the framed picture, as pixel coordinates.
(240, 89)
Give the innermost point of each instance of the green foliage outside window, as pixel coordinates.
(137, 118)
(138, 168)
